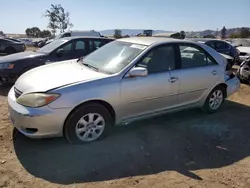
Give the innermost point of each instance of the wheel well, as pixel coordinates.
(224, 86)
(103, 103)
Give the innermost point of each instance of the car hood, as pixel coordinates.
(47, 77)
(244, 49)
(19, 56)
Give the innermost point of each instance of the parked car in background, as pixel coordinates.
(12, 66)
(243, 45)
(243, 73)
(125, 80)
(221, 46)
(90, 33)
(10, 46)
(16, 40)
(27, 42)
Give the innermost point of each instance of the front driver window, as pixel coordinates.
(67, 47)
(159, 59)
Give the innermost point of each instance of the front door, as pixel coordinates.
(154, 92)
(65, 55)
(197, 73)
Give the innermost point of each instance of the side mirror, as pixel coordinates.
(138, 72)
(59, 52)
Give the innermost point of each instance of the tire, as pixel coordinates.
(243, 81)
(88, 130)
(218, 91)
(10, 50)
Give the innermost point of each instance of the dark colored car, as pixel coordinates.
(222, 46)
(12, 66)
(10, 46)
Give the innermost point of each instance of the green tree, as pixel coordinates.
(244, 32)
(234, 35)
(117, 33)
(223, 32)
(58, 18)
(45, 33)
(209, 36)
(33, 32)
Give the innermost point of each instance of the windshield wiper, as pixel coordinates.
(80, 59)
(86, 64)
(90, 66)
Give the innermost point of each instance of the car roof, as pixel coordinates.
(85, 37)
(153, 40)
(147, 40)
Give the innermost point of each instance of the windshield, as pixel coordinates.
(51, 46)
(113, 57)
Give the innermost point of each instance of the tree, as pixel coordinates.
(244, 32)
(45, 34)
(58, 18)
(209, 36)
(182, 35)
(223, 32)
(33, 32)
(2, 34)
(117, 33)
(234, 35)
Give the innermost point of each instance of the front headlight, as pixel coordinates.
(37, 99)
(6, 66)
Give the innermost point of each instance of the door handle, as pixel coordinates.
(214, 72)
(173, 79)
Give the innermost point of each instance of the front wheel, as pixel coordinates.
(87, 124)
(214, 100)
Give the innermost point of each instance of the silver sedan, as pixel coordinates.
(126, 80)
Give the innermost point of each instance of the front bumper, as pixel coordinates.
(40, 122)
(233, 85)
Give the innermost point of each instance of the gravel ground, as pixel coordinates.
(185, 149)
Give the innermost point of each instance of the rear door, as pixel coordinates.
(197, 72)
(80, 48)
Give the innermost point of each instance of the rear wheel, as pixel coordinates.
(10, 50)
(214, 100)
(88, 123)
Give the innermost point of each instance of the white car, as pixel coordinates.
(26, 41)
(90, 33)
(244, 52)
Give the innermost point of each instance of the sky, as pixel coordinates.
(169, 15)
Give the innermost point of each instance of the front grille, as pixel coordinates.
(243, 54)
(17, 93)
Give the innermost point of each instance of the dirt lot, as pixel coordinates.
(185, 149)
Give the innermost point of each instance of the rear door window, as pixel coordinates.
(193, 56)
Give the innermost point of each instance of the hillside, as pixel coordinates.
(133, 32)
(130, 32)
